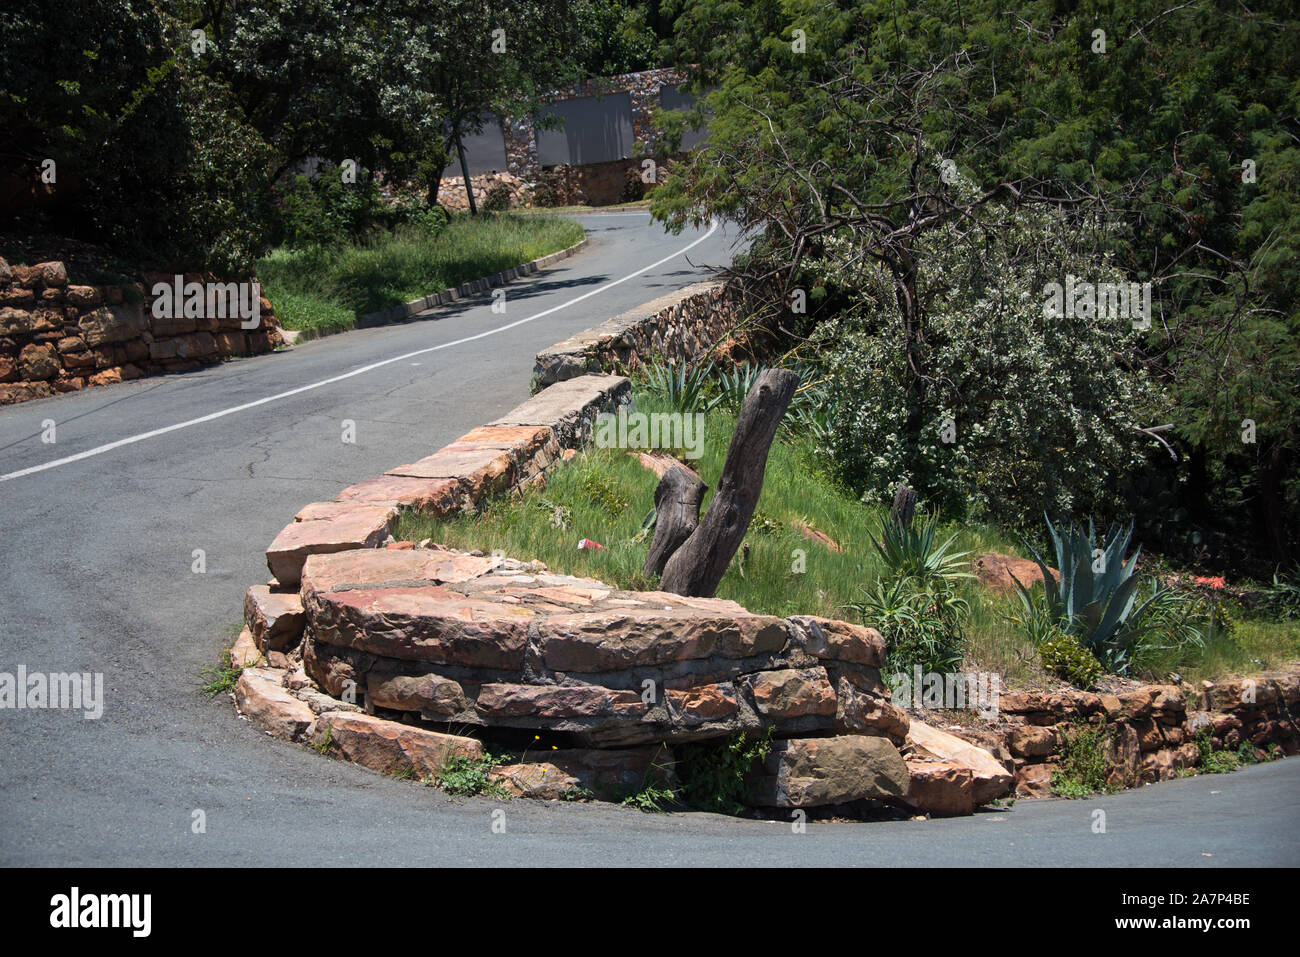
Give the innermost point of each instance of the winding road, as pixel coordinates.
(99, 534)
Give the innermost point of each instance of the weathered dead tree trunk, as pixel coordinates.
(678, 498)
(904, 507)
(696, 568)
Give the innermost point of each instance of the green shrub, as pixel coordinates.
(1211, 760)
(497, 198)
(465, 775)
(1092, 597)
(921, 623)
(1064, 657)
(325, 211)
(715, 773)
(683, 387)
(911, 552)
(1083, 766)
(1044, 411)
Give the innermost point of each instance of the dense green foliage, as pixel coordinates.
(1172, 155)
(716, 774)
(1063, 656)
(1084, 765)
(176, 128)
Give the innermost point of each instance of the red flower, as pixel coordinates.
(1216, 582)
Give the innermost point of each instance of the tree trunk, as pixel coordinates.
(697, 567)
(464, 172)
(677, 502)
(904, 507)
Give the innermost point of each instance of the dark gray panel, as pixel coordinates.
(596, 129)
(485, 152)
(671, 99)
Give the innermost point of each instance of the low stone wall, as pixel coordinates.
(373, 649)
(60, 337)
(1152, 728)
(507, 455)
(682, 326)
(376, 651)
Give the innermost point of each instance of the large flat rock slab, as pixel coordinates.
(434, 496)
(494, 642)
(389, 747)
(326, 527)
(984, 777)
(809, 772)
(262, 698)
(569, 408)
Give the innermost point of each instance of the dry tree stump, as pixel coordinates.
(678, 498)
(697, 565)
(904, 507)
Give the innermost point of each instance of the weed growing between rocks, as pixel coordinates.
(467, 776)
(1084, 765)
(1216, 761)
(651, 799)
(322, 745)
(715, 773)
(220, 678)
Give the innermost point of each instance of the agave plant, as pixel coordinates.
(733, 386)
(1095, 594)
(685, 387)
(910, 551)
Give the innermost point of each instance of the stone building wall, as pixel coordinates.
(594, 184)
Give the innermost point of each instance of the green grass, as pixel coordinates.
(605, 494)
(321, 291)
(1255, 645)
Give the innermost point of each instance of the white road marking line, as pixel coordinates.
(130, 440)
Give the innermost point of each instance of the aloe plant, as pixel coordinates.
(683, 386)
(1095, 595)
(910, 551)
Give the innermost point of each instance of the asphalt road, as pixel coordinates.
(96, 576)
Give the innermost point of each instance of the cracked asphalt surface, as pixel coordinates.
(95, 575)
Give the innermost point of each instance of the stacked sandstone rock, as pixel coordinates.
(59, 337)
(376, 653)
(678, 327)
(1152, 732)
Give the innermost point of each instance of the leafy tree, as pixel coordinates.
(149, 154)
(1141, 142)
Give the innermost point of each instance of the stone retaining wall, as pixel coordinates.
(59, 337)
(373, 650)
(376, 651)
(1152, 728)
(682, 326)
